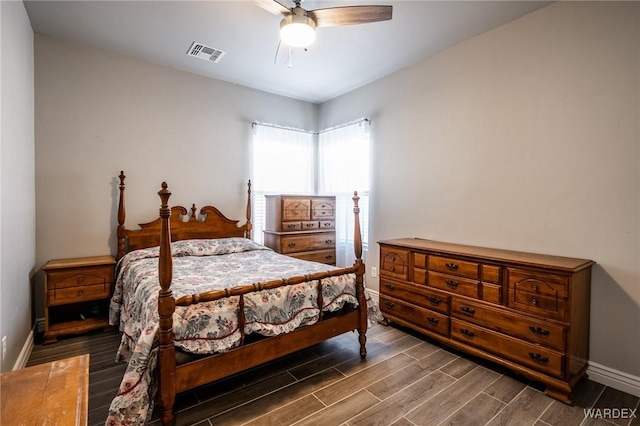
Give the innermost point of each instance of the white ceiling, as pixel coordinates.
(341, 59)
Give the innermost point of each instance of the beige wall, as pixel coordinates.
(526, 138)
(17, 175)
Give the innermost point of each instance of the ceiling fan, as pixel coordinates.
(297, 28)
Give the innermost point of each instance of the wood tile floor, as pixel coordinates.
(406, 380)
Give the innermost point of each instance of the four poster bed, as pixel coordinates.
(198, 300)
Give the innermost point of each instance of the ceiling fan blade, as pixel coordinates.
(273, 6)
(350, 15)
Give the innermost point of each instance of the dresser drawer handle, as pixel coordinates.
(534, 302)
(452, 283)
(327, 224)
(538, 358)
(390, 287)
(329, 256)
(534, 287)
(467, 333)
(291, 245)
(539, 331)
(452, 266)
(467, 310)
(434, 300)
(328, 241)
(388, 304)
(310, 225)
(80, 292)
(433, 320)
(291, 226)
(80, 280)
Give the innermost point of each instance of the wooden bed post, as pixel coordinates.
(249, 226)
(359, 264)
(166, 307)
(121, 216)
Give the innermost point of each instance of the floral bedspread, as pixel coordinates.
(200, 266)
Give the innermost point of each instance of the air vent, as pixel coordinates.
(204, 52)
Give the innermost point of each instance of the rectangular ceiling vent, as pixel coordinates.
(204, 52)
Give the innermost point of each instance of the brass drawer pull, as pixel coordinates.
(291, 245)
(467, 333)
(434, 300)
(452, 284)
(390, 287)
(534, 302)
(291, 226)
(329, 256)
(80, 280)
(433, 320)
(534, 287)
(328, 241)
(80, 292)
(539, 331)
(389, 304)
(467, 310)
(310, 225)
(452, 266)
(538, 358)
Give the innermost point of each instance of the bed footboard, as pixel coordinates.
(174, 379)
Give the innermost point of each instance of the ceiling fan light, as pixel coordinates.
(297, 30)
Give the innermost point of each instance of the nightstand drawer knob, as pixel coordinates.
(80, 280)
(80, 292)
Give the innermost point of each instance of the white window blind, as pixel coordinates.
(343, 167)
(283, 163)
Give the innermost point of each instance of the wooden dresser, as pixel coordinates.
(77, 295)
(528, 312)
(55, 393)
(302, 226)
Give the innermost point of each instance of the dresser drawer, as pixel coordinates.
(536, 303)
(310, 225)
(417, 295)
(296, 209)
(421, 317)
(295, 243)
(519, 326)
(458, 267)
(533, 356)
(291, 226)
(320, 256)
(491, 274)
(394, 263)
(79, 277)
(327, 224)
(551, 285)
(65, 295)
(453, 284)
(323, 208)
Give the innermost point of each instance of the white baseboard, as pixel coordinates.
(614, 378)
(25, 353)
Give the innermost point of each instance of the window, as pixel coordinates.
(332, 162)
(343, 167)
(274, 171)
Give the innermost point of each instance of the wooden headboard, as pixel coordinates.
(212, 225)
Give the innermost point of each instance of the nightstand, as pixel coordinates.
(77, 293)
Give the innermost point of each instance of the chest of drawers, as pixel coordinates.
(77, 295)
(528, 312)
(301, 226)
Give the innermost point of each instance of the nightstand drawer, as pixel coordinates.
(79, 293)
(79, 277)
